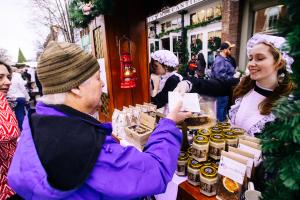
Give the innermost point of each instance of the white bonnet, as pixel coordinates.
(275, 41)
(165, 57)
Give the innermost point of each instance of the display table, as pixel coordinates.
(187, 191)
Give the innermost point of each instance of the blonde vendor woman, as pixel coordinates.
(269, 79)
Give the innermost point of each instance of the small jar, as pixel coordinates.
(204, 132)
(239, 132)
(182, 164)
(223, 125)
(200, 147)
(193, 172)
(208, 180)
(215, 130)
(231, 139)
(216, 145)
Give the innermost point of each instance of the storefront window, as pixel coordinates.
(214, 42)
(165, 43)
(209, 13)
(218, 11)
(201, 15)
(193, 19)
(196, 43)
(163, 27)
(266, 19)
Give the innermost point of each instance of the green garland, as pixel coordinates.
(201, 24)
(82, 21)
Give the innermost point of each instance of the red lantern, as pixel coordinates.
(128, 72)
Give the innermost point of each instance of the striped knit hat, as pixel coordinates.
(64, 66)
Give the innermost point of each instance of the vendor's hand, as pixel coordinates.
(182, 87)
(156, 79)
(176, 115)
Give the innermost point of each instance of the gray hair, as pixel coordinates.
(58, 98)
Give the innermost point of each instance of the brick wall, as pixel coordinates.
(231, 19)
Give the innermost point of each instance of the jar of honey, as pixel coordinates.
(208, 180)
(200, 147)
(216, 145)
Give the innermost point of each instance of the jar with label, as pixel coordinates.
(182, 164)
(204, 132)
(231, 139)
(200, 147)
(223, 125)
(208, 180)
(215, 130)
(216, 145)
(239, 132)
(193, 172)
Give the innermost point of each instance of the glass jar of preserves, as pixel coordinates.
(182, 164)
(216, 145)
(231, 139)
(200, 147)
(204, 132)
(215, 130)
(239, 132)
(223, 125)
(208, 180)
(193, 172)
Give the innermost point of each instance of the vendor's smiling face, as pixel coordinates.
(159, 68)
(262, 65)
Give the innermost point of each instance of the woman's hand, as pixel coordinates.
(182, 87)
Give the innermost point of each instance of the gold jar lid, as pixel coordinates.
(200, 139)
(238, 131)
(194, 164)
(183, 156)
(215, 129)
(217, 138)
(204, 132)
(208, 171)
(223, 124)
(229, 135)
(215, 164)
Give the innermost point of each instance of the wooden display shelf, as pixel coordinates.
(187, 191)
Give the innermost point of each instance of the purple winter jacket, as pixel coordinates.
(119, 172)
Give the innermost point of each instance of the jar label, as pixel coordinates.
(207, 187)
(215, 151)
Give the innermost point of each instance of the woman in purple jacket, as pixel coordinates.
(64, 153)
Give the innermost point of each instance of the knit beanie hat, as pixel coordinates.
(64, 66)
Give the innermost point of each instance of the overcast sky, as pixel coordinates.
(16, 29)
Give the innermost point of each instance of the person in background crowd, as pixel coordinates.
(192, 66)
(201, 65)
(9, 131)
(64, 153)
(18, 93)
(223, 69)
(164, 64)
(255, 96)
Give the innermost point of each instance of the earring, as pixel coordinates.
(281, 78)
